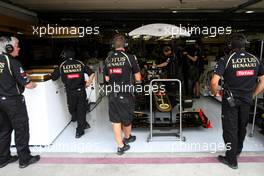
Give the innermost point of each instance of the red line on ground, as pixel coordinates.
(174, 160)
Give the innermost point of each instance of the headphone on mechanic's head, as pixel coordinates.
(68, 52)
(9, 48)
(118, 37)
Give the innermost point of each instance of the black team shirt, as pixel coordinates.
(240, 71)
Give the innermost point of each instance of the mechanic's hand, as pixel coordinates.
(31, 85)
(219, 93)
(88, 84)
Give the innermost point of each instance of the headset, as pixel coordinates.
(63, 54)
(9, 48)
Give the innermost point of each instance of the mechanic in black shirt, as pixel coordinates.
(240, 71)
(172, 64)
(72, 72)
(195, 68)
(13, 111)
(120, 69)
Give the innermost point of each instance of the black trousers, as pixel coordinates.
(77, 107)
(13, 116)
(234, 121)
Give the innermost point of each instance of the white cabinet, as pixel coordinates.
(47, 111)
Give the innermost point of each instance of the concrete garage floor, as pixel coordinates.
(100, 138)
(94, 153)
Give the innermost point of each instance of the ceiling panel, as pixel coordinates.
(77, 5)
(257, 6)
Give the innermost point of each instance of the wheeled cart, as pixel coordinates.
(170, 133)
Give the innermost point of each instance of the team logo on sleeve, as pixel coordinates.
(22, 72)
(241, 73)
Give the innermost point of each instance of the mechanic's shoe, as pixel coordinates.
(223, 160)
(130, 139)
(121, 151)
(87, 126)
(32, 160)
(73, 120)
(79, 134)
(10, 160)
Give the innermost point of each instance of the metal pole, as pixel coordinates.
(254, 118)
(181, 138)
(151, 111)
(256, 101)
(261, 51)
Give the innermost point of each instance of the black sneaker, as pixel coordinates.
(32, 160)
(223, 160)
(79, 134)
(130, 139)
(87, 126)
(121, 151)
(73, 120)
(10, 160)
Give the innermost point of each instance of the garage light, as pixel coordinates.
(136, 36)
(190, 41)
(250, 11)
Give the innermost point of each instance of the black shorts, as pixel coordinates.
(121, 108)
